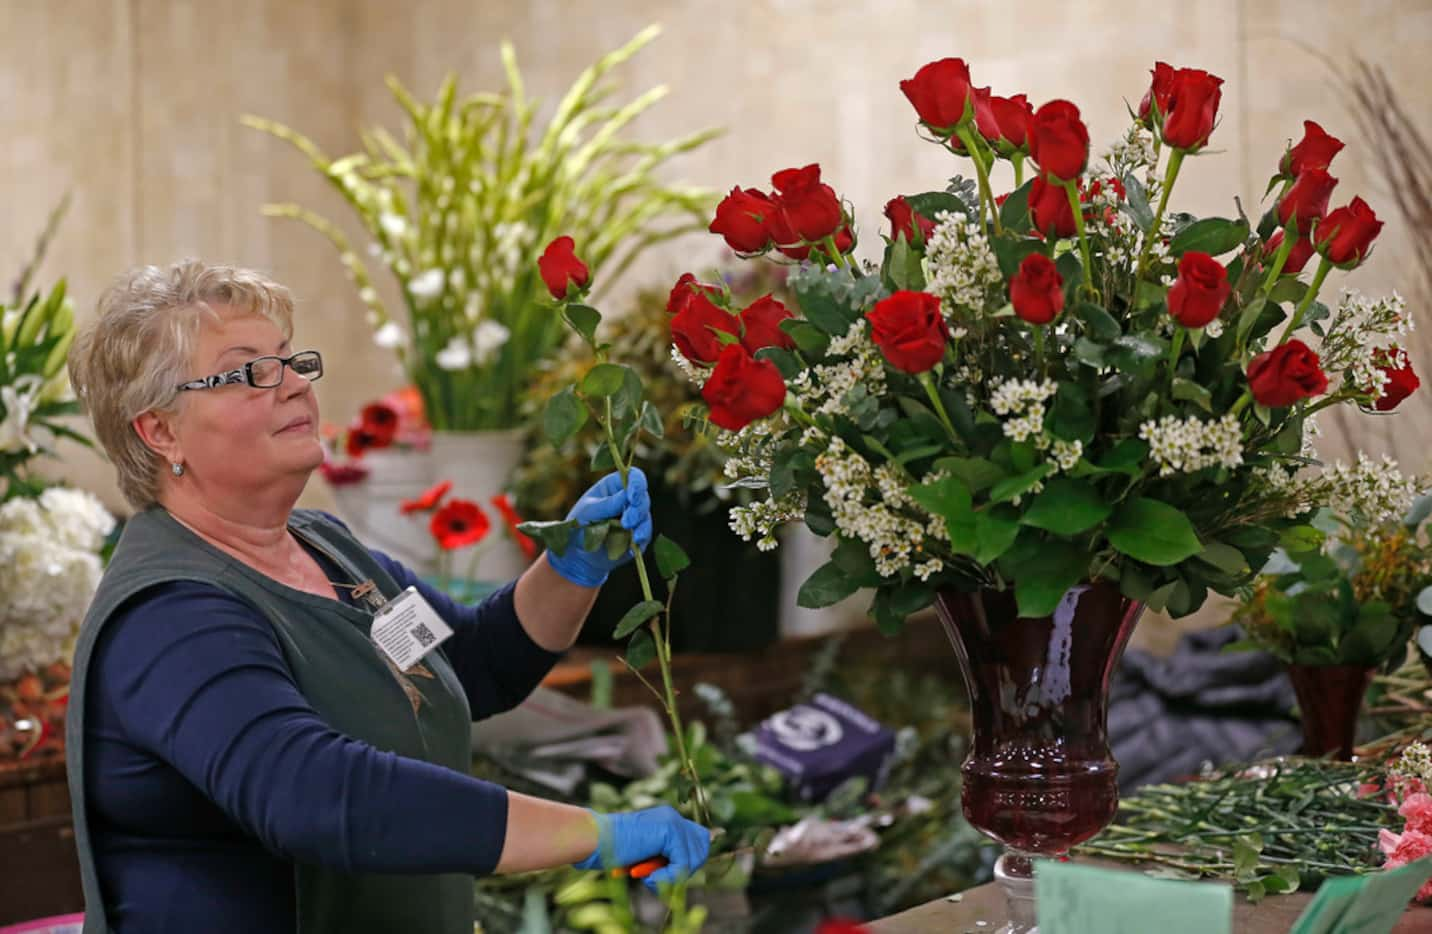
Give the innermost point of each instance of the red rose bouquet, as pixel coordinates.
(1062, 384)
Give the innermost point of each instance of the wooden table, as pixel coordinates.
(1273, 915)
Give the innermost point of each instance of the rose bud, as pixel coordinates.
(761, 322)
(686, 287)
(1298, 256)
(1345, 236)
(941, 94)
(1157, 94)
(909, 330)
(1285, 374)
(1314, 151)
(741, 220)
(809, 208)
(904, 221)
(1049, 209)
(1197, 295)
(1307, 200)
(694, 327)
(1192, 109)
(1059, 141)
(1399, 381)
(1037, 290)
(742, 389)
(560, 268)
(1013, 115)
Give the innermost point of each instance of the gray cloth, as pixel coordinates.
(1168, 717)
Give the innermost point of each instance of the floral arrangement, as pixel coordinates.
(34, 388)
(1354, 602)
(457, 211)
(1410, 777)
(1057, 385)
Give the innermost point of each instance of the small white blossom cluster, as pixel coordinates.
(1414, 762)
(1135, 150)
(1067, 453)
(761, 518)
(49, 569)
(960, 267)
(695, 373)
(750, 451)
(822, 388)
(1024, 400)
(894, 540)
(1158, 250)
(1357, 331)
(1186, 445)
(1376, 490)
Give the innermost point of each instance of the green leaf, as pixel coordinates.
(564, 416)
(950, 499)
(1014, 213)
(555, 535)
(595, 536)
(1288, 289)
(650, 421)
(1301, 540)
(584, 320)
(1010, 253)
(826, 587)
(902, 265)
(634, 617)
(619, 542)
(1008, 489)
(641, 650)
(670, 558)
(1070, 419)
(1212, 235)
(1136, 203)
(602, 460)
(1226, 558)
(930, 203)
(1189, 391)
(1153, 532)
(786, 362)
(1067, 507)
(852, 556)
(809, 339)
(995, 531)
(818, 518)
(603, 380)
(1091, 354)
(627, 400)
(1134, 353)
(977, 473)
(1059, 567)
(1098, 323)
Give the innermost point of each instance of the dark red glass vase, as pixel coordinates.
(1039, 777)
(1329, 701)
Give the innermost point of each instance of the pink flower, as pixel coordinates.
(1418, 811)
(1406, 847)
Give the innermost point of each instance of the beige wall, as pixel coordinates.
(133, 105)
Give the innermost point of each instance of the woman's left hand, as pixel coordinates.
(606, 499)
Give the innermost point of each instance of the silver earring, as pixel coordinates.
(177, 469)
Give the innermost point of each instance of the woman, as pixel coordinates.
(243, 756)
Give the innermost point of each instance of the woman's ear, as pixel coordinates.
(157, 432)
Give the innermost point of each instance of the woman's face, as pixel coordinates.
(237, 436)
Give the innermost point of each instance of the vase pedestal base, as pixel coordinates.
(1015, 876)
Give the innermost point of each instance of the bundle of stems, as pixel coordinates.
(1268, 828)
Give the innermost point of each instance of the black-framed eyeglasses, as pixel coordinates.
(263, 372)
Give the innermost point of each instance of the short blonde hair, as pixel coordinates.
(136, 352)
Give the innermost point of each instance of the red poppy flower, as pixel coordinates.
(428, 501)
(511, 519)
(460, 523)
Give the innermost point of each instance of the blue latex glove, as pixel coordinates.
(606, 499)
(629, 838)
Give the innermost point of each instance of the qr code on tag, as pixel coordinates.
(423, 634)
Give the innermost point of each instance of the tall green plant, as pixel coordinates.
(459, 208)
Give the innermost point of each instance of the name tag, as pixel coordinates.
(407, 628)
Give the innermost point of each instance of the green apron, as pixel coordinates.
(341, 673)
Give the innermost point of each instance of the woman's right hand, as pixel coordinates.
(628, 838)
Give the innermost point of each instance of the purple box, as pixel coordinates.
(820, 744)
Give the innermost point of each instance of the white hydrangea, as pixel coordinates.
(49, 569)
(960, 267)
(1186, 445)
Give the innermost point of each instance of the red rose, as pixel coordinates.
(1197, 295)
(686, 287)
(1013, 115)
(429, 499)
(1345, 236)
(560, 267)
(1298, 256)
(1059, 141)
(1307, 200)
(512, 520)
(1400, 381)
(904, 221)
(1157, 94)
(1192, 109)
(1314, 151)
(762, 324)
(1285, 374)
(458, 524)
(940, 93)
(810, 209)
(741, 219)
(742, 389)
(1037, 290)
(1050, 210)
(694, 326)
(909, 330)
(985, 122)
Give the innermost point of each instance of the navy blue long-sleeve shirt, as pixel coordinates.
(208, 774)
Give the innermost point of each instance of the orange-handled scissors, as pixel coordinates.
(648, 866)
